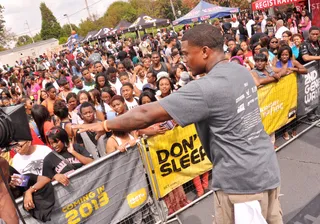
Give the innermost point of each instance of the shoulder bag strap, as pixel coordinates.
(64, 160)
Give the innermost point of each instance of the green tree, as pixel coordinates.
(23, 40)
(66, 29)
(166, 10)
(37, 37)
(50, 28)
(1, 19)
(86, 26)
(117, 11)
(63, 40)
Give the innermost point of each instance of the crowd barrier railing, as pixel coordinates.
(113, 189)
(165, 174)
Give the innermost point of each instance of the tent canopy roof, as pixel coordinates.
(203, 11)
(144, 21)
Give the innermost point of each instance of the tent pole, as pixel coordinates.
(173, 27)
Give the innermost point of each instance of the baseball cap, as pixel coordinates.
(162, 74)
(148, 86)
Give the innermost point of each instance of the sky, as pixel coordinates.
(17, 12)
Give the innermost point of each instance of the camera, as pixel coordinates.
(14, 126)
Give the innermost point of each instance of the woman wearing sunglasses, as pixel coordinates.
(65, 157)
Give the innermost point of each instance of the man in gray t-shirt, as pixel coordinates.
(224, 106)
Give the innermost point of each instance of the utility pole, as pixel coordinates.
(89, 15)
(173, 10)
(29, 31)
(66, 15)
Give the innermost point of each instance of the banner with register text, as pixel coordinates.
(309, 89)
(278, 103)
(107, 192)
(177, 157)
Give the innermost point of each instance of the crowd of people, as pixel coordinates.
(95, 82)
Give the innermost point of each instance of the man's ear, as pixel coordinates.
(205, 52)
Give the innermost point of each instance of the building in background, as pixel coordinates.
(31, 50)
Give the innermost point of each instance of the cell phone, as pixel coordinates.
(24, 180)
(167, 124)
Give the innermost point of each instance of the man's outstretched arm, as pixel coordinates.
(137, 118)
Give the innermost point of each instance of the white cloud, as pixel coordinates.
(17, 12)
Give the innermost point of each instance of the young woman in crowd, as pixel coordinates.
(96, 98)
(176, 71)
(288, 65)
(42, 118)
(84, 96)
(155, 129)
(119, 140)
(72, 104)
(106, 95)
(273, 47)
(28, 106)
(64, 88)
(43, 95)
(52, 97)
(297, 40)
(164, 85)
(34, 88)
(60, 109)
(287, 37)
(100, 68)
(75, 68)
(65, 158)
(305, 23)
(285, 62)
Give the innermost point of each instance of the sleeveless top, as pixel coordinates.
(163, 68)
(119, 141)
(279, 64)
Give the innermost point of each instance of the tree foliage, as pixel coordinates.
(86, 26)
(1, 19)
(23, 40)
(50, 28)
(6, 36)
(117, 11)
(66, 32)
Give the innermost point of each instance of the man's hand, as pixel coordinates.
(94, 127)
(160, 130)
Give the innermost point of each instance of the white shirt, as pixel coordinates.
(117, 86)
(31, 163)
(235, 25)
(279, 32)
(249, 28)
(140, 84)
(132, 104)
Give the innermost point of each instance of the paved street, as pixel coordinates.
(300, 172)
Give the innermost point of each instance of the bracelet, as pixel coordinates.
(33, 188)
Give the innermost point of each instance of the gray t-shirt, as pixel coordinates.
(224, 107)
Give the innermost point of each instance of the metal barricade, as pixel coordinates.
(113, 189)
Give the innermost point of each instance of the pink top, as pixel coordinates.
(307, 27)
(34, 90)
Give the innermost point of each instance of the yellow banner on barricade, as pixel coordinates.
(176, 158)
(278, 103)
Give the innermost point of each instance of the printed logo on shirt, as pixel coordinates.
(34, 167)
(63, 164)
